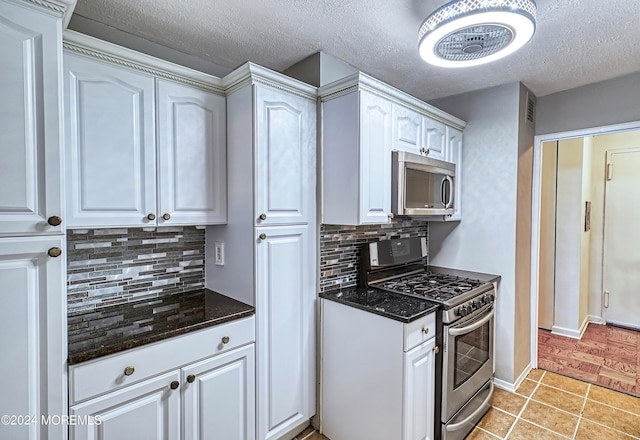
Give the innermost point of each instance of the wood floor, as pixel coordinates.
(606, 355)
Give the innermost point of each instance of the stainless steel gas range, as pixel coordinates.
(465, 365)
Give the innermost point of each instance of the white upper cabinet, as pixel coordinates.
(356, 142)
(284, 157)
(110, 137)
(418, 134)
(192, 176)
(141, 151)
(30, 131)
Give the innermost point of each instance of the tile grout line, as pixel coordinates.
(525, 405)
(584, 405)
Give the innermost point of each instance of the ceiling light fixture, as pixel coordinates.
(466, 33)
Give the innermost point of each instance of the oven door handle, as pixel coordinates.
(461, 424)
(472, 327)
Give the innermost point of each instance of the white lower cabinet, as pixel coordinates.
(378, 375)
(202, 396)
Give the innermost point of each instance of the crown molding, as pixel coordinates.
(250, 73)
(362, 81)
(59, 8)
(93, 47)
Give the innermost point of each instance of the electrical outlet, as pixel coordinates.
(219, 253)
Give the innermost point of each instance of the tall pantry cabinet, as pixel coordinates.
(32, 262)
(266, 254)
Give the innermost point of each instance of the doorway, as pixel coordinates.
(575, 265)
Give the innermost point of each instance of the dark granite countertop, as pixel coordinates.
(116, 328)
(396, 306)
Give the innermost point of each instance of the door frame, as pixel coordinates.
(535, 211)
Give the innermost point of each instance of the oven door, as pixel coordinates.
(467, 359)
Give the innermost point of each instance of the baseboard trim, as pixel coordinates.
(596, 319)
(576, 334)
(512, 387)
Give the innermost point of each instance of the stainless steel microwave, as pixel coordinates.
(422, 186)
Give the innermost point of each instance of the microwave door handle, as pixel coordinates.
(442, 193)
(450, 182)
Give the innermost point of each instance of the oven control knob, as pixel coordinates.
(476, 305)
(464, 310)
(488, 299)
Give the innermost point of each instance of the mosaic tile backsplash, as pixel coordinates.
(340, 248)
(114, 266)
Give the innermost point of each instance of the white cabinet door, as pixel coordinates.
(219, 397)
(435, 138)
(30, 131)
(454, 155)
(110, 144)
(32, 335)
(375, 158)
(148, 410)
(285, 290)
(192, 179)
(284, 158)
(419, 392)
(407, 130)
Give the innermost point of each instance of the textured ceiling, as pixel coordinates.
(577, 42)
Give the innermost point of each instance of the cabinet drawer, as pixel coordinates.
(419, 331)
(102, 375)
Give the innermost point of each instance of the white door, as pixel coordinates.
(192, 165)
(110, 144)
(285, 322)
(284, 158)
(435, 138)
(32, 335)
(407, 130)
(219, 397)
(375, 158)
(621, 258)
(148, 410)
(30, 131)
(419, 392)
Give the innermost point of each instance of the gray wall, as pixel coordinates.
(485, 239)
(605, 103)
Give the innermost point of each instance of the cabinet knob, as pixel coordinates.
(166, 216)
(128, 371)
(425, 330)
(263, 216)
(175, 384)
(262, 236)
(191, 378)
(151, 217)
(54, 220)
(55, 252)
(225, 339)
(426, 151)
(436, 349)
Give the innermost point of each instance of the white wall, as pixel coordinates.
(595, 105)
(485, 239)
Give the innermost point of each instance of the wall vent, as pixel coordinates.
(530, 114)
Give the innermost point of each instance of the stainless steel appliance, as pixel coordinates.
(466, 326)
(422, 186)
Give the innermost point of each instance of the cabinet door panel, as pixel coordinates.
(191, 155)
(407, 130)
(145, 411)
(375, 159)
(454, 139)
(220, 403)
(285, 157)
(435, 138)
(32, 310)
(29, 121)
(285, 321)
(419, 400)
(110, 152)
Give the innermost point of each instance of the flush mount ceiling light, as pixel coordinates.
(466, 33)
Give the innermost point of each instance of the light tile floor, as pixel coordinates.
(548, 406)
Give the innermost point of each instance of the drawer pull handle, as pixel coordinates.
(166, 216)
(436, 349)
(191, 378)
(128, 371)
(175, 384)
(151, 217)
(225, 339)
(54, 220)
(55, 252)
(425, 330)
(263, 216)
